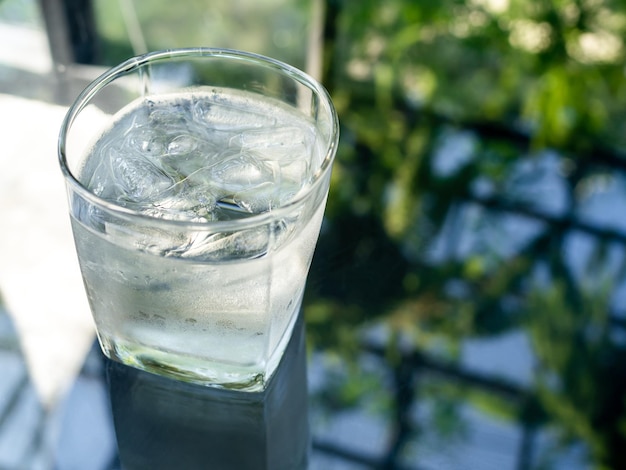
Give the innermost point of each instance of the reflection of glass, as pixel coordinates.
(196, 208)
(162, 423)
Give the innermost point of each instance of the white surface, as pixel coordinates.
(25, 49)
(39, 275)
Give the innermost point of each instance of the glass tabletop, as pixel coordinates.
(465, 305)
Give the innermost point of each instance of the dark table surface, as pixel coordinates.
(464, 310)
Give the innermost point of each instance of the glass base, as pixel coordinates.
(188, 368)
(194, 369)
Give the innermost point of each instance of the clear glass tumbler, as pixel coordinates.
(197, 180)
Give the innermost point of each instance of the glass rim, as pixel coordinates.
(133, 63)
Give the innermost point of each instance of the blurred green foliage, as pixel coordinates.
(518, 77)
(551, 67)
(403, 74)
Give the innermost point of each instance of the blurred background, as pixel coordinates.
(466, 304)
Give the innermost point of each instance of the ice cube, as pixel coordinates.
(137, 179)
(225, 246)
(181, 145)
(185, 202)
(169, 114)
(98, 182)
(262, 198)
(229, 117)
(146, 140)
(298, 171)
(272, 138)
(238, 172)
(187, 154)
(288, 146)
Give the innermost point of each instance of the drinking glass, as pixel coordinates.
(197, 180)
